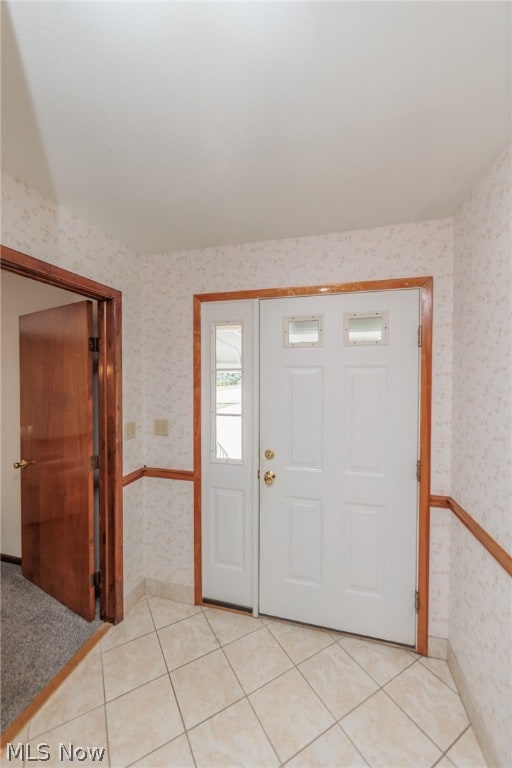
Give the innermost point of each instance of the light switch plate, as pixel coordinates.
(161, 427)
(129, 430)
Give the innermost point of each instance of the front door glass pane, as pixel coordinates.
(303, 331)
(371, 328)
(227, 388)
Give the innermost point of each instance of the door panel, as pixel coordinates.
(57, 493)
(363, 549)
(305, 534)
(338, 526)
(304, 402)
(227, 539)
(365, 408)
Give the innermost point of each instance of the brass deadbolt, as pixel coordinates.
(269, 477)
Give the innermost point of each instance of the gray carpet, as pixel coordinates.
(39, 635)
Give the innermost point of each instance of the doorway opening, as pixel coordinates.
(110, 522)
(297, 333)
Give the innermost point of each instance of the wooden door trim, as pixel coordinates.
(425, 286)
(163, 473)
(13, 729)
(110, 413)
(486, 540)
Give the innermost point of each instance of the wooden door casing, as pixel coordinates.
(110, 414)
(425, 285)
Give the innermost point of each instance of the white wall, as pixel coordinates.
(480, 632)
(19, 296)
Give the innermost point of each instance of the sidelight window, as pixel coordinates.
(226, 388)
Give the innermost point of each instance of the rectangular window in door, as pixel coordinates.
(226, 389)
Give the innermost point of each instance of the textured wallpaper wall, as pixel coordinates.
(480, 629)
(170, 281)
(482, 354)
(157, 310)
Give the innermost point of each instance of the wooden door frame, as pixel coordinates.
(425, 287)
(109, 414)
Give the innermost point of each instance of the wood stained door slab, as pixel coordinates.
(56, 438)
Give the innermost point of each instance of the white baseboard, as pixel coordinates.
(475, 718)
(156, 588)
(170, 591)
(437, 647)
(132, 597)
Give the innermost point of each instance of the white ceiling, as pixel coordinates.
(174, 125)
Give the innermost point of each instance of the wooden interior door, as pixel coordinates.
(57, 484)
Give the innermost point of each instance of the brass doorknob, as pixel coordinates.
(22, 464)
(269, 477)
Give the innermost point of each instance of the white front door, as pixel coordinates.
(339, 380)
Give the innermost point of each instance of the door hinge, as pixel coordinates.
(417, 601)
(94, 344)
(420, 335)
(95, 461)
(418, 470)
(96, 579)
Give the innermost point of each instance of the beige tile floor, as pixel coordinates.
(176, 685)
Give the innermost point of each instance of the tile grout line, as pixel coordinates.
(335, 641)
(358, 749)
(31, 736)
(188, 663)
(149, 632)
(132, 689)
(185, 731)
(246, 696)
(339, 722)
(137, 637)
(289, 656)
(381, 689)
(126, 642)
(453, 690)
(251, 631)
(448, 687)
(454, 742)
(105, 708)
(295, 666)
(381, 685)
(336, 720)
(430, 738)
(148, 754)
(177, 621)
